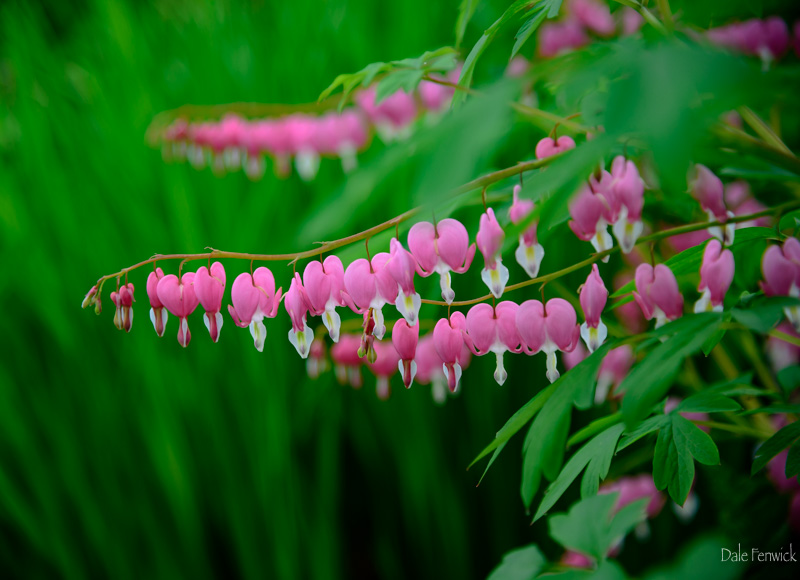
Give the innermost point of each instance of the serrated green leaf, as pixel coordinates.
(642, 429)
(764, 314)
(595, 456)
(406, 80)
(527, 29)
(689, 260)
(775, 444)
(465, 12)
(649, 380)
(698, 442)
(793, 461)
(520, 564)
(789, 378)
(589, 528)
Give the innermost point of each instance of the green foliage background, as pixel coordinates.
(126, 456)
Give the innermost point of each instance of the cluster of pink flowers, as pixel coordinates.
(234, 143)
(582, 19)
(768, 39)
(781, 268)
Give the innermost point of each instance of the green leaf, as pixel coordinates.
(775, 444)
(608, 570)
(714, 339)
(700, 561)
(589, 527)
(404, 79)
(465, 13)
(793, 461)
(791, 221)
(642, 429)
(772, 409)
(595, 456)
(689, 260)
(706, 402)
(497, 452)
(650, 379)
(527, 29)
(764, 314)
(679, 441)
(520, 564)
(594, 428)
(789, 378)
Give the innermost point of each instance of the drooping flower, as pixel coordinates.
(254, 298)
(490, 242)
(592, 210)
(429, 368)
(210, 288)
(393, 116)
(493, 330)
(402, 266)
(323, 283)
(594, 15)
(123, 300)
(316, 363)
(613, 370)
(627, 188)
(91, 297)
(384, 366)
(158, 315)
(368, 286)
(448, 339)
(179, 297)
(783, 354)
(405, 339)
(707, 188)
(781, 269)
(549, 328)
(548, 146)
(441, 248)
(347, 361)
(558, 37)
(297, 308)
(593, 299)
(635, 487)
(768, 38)
(716, 275)
(529, 253)
(657, 293)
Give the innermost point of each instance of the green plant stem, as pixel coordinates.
(666, 14)
(784, 337)
(739, 429)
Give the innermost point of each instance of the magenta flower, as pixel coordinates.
(657, 293)
(297, 308)
(592, 210)
(493, 330)
(368, 286)
(402, 266)
(92, 299)
(158, 316)
(716, 275)
(613, 370)
(594, 15)
(210, 288)
(573, 559)
(448, 339)
(558, 37)
(781, 353)
(316, 363)
(707, 188)
(384, 366)
(123, 300)
(392, 117)
(490, 242)
(549, 328)
(441, 248)
(548, 146)
(632, 21)
(178, 296)
(405, 339)
(636, 487)
(767, 39)
(781, 268)
(323, 283)
(593, 300)
(347, 361)
(254, 298)
(627, 189)
(529, 253)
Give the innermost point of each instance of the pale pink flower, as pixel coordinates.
(448, 339)
(490, 242)
(178, 296)
(707, 188)
(368, 286)
(402, 266)
(635, 487)
(493, 329)
(323, 283)
(347, 361)
(123, 300)
(627, 190)
(558, 37)
(158, 315)
(405, 339)
(441, 248)
(529, 253)
(716, 275)
(548, 146)
(593, 299)
(316, 363)
(549, 328)
(297, 308)
(254, 298)
(209, 286)
(384, 366)
(781, 268)
(594, 15)
(613, 370)
(657, 293)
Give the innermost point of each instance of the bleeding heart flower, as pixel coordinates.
(548, 146)
(632, 488)
(594, 15)
(627, 189)
(558, 37)
(402, 266)
(490, 242)
(384, 366)
(593, 300)
(448, 339)
(254, 298)
(707, 188)
(613, 370)
(529, 253)
(405, 339)
(299, 335)
(716, 275)
(158, 315)
(316, 363)
(178, 296)
(368, 286)
(347, 361)
(210, 288)
(123, 300)
(549, 328)
(493, 330)
(592, 210)
(781, 268)
(657, 293)
(323, 283)
(441, 248)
